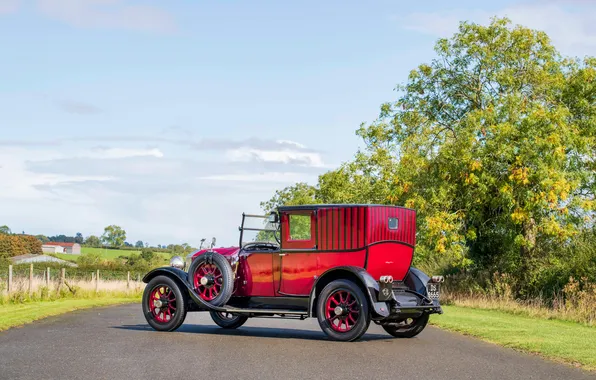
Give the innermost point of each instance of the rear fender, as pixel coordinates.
(360, 276)
(416, 280)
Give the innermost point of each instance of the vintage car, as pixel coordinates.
(346, 265)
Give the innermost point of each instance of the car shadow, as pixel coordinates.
(259, 332)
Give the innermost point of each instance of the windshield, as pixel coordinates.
(258, 228)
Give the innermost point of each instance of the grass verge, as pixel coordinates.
(13, 315)
(558, 340)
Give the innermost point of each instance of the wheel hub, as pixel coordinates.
(158, 303)
(207, 281)
(340, 310)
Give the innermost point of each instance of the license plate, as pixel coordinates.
(433, 290)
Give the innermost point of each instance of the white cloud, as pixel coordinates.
(80, 108)
(292, 143)
(276, 177)
(9, 6)
(573, 31)
(312, 159)
(113, 153)
(111, 14)
(20, 183)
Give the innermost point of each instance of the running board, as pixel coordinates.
(234, 310)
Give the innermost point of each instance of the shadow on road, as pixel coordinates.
(260, 332)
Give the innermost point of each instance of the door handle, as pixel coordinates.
(282, 254)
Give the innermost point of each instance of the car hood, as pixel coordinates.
(228, 252)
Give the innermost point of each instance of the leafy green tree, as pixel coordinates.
(484, 144)
(42, 238)
(5, 230)
(147, 255)
(139, 244)
(114, 236)
(79, 238)
(93, 241)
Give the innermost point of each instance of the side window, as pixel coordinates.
(300, 228)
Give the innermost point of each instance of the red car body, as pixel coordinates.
(348, 265)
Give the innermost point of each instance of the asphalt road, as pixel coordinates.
(116, 343)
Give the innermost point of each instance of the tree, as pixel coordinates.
(5, 230)
(42, 238)
(79, 238)
(484, 144)
(114, 236)
(139, 244)
(93, 241)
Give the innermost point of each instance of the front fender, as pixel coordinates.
(167, 271)
(365, 280)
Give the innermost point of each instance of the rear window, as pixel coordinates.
(393, 223)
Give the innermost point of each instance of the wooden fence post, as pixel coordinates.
(97, 282)
(128, 280)
(9, 279)
(62, 278)
(30, 279)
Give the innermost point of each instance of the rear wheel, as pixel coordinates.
(228, 320)
(163, 304)
(408, 328)
(343, 311)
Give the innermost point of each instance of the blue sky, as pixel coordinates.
(172, 118)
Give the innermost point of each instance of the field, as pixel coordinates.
(563, 341)
(108, 254)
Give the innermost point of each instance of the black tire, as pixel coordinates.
(168, 317)
(410, 327)
(224, 288)
(227, 320)
(355, 300)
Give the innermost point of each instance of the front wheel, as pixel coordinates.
(163, 304)
(408, 328)
(343, 311)
(228, 320)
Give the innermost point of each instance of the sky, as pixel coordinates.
(172, 118)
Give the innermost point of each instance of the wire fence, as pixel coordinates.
(34, 279)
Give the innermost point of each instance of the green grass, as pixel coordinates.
(105, 253)
(12, 315)
(108, 254)
(563, 341)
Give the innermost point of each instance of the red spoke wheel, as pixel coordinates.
(407, 328)
(163, 304)
(228, 320)
(343, 310)
(212, 278)
(208, 281)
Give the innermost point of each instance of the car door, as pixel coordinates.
(298, 256)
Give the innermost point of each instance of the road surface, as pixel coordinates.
(116, 343)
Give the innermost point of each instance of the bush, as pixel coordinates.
(15, 245)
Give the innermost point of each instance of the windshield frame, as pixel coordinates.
(242, 228)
